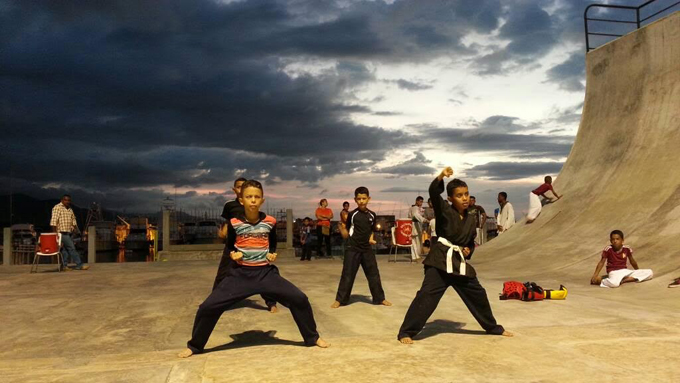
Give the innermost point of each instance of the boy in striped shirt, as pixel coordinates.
(253, 252)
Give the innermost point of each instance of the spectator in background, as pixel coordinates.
(64, 221)
(480, 214)
(324, 215)
(307, 239)
(343, 219)
(416, 213)
(345, 212)
(506, 218)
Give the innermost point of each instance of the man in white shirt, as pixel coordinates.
(417, 215)
(506, 218)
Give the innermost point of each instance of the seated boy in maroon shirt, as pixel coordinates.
(617, 256)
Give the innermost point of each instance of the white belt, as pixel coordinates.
(449, 256)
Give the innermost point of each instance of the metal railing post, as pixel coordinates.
(91, 244)
(7, 247)
(289, 228)
(166, 230)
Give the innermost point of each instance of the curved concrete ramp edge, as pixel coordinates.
(623, 171)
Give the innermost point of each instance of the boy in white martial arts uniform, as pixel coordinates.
(616, 256)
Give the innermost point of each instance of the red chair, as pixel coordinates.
(401, 236)
(50, 245)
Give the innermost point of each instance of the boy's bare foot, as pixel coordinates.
(386, 303)
(322, 343)
(508, 334)
(273, 309)
(406, 340)
(186, 353)
(335, 305)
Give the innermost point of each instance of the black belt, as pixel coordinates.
(64, 233)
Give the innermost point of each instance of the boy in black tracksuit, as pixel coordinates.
(232, 209)
(445, 265)
(359, 229)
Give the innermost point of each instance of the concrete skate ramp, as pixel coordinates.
(622, 173)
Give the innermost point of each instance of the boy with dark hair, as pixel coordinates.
(535, 202)
(446, 264)
(616, 256)
(230, 210)
(253, 251)
(358, 228)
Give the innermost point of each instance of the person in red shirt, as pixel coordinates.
(616, 257)
(324, 215)
(535, 202)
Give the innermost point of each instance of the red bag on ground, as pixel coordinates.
(529, 291)
(513, 290)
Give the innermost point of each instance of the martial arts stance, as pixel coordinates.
(445, 265)
(359, 229)
(617, 256)
(535, 201)
(231, 209)
(254, 249)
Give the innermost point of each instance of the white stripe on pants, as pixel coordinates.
(615, 277)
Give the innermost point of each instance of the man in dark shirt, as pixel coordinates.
(358, 228)
(445, 265)
(480, 215)
(232, 209)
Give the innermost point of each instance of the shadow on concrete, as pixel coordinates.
(254, 338)
(360, 299)
(247, 303)
(443, 326)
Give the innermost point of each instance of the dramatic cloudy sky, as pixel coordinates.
(126, 102)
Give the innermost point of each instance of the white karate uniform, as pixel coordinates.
(615, 277)
(506, 218)
(417, 231)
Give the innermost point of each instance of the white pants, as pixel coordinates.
(416, 240)
(615, 277)
(481, 236)
(534, 206)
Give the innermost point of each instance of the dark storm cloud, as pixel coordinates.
(571, 74)
(500, 171)
(107, 95)
(498, 134)
(400, 189)
(415, 166)
(411, 85)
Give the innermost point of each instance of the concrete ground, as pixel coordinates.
(126, 323)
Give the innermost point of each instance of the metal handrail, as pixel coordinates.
(638, 21)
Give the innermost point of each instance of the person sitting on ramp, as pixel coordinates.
(535, 202)
(617, 256)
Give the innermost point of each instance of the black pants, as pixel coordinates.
(226, 265)
(434, 285)
(350, 266)
(320, 239)
(239, 284)
(307, 251)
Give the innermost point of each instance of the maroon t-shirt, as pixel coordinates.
(616, 260)
(542, 189)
